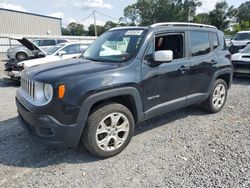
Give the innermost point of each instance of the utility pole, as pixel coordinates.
(95, 22)
(189, 14)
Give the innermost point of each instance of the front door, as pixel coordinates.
(166, 84)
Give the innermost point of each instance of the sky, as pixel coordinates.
(81, 10)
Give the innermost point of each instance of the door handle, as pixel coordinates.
(183, 68)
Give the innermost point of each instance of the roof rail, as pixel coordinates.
(182, 24)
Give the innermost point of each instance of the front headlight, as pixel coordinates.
(43, 93)
(48, 91)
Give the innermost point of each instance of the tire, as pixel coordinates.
(21, 56)
(112, 137)
(217, 97)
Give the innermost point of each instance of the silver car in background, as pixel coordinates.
(21, 53)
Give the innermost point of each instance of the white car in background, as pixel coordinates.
(241, 61)
(26, 51)
(59, 52)
(240, 41)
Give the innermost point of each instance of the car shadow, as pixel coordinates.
(8, 82)
(17, 149)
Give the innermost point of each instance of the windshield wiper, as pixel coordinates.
(92, 59)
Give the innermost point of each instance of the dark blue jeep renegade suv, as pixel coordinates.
(126, 76)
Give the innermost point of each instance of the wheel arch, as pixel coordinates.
(224, 74)
(22, 51)
(127, 96)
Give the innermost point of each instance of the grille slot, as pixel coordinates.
(28, 86)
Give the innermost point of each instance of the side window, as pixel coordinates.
(83, 48)
(215, 41)
(172, 42)
(72, 49)
(61, 41)
(200, 44)
(48, 42)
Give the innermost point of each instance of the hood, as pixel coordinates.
(37, 61)
(241, 57)
(30, 45)
(62, 70)
(240, 42)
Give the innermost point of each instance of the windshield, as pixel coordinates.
(53, 49)
(242, 36)
(115, 46)
(246, 50)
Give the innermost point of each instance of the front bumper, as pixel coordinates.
(45, 129)
(11, 55)
(241, 67)
(13, 74)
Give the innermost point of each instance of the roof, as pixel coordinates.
(244, 32)
(169, 24)
(33, 14)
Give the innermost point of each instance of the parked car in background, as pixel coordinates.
(240, 41)
(241, 61)
(21, 53)
(59, 52)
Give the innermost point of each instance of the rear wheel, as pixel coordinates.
(21, 56)
(217, 97)
(108, 130)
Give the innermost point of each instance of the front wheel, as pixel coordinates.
(217, 97)
(109, 128)
(21, 56)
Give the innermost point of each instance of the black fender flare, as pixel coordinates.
(222, 72)
(100, 96)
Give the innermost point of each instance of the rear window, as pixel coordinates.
(47, 42)
(61, 41)
(200, 44)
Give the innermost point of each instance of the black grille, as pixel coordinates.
(28, 86)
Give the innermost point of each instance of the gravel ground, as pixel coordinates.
(185, 148)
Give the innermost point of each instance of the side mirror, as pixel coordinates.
(163, 56)
(61, 53)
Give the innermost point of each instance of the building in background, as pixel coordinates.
(16, 22)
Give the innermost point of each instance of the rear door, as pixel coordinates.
(203, 64)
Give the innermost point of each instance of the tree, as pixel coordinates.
(243, 25)
(74, 29)
(243, 12)
(221, 15)
(109, 25)
(132, 13)
(91, 30)
(152, 11)
(202, 18)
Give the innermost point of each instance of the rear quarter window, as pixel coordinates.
(200, 43)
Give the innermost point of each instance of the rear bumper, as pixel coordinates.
(241, 67)
(46, 130)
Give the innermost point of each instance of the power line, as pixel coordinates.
(107, 16)
(86, 17)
